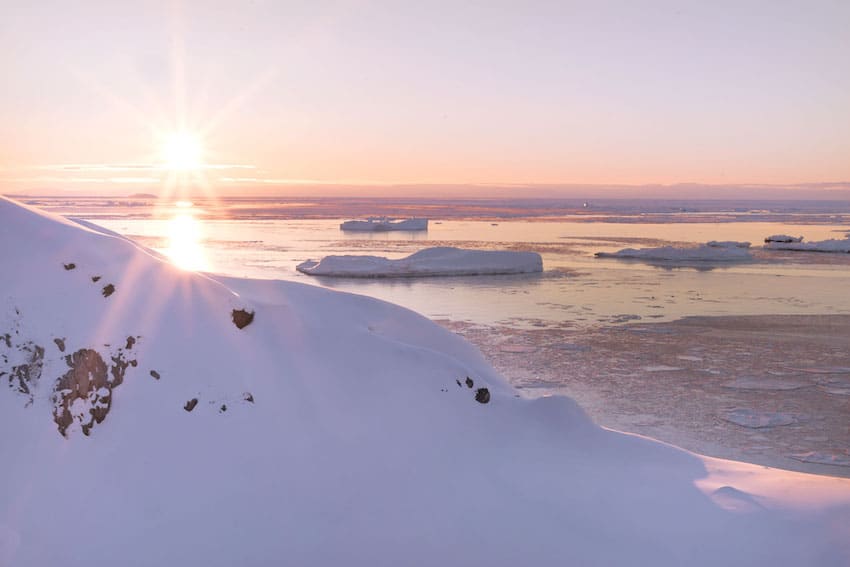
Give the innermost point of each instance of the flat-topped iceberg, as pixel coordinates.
(383, 224)
(714, 251)
(438, 261)
(834, 245)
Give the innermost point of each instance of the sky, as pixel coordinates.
(340, 96)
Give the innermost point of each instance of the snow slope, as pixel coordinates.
(332, 429)
(437, 261)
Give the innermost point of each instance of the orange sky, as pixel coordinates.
(379, 93)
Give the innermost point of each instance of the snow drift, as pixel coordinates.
(713, 251)
(157, 417)
(438, 261)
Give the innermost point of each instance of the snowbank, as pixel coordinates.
(832, 245)
(439, 261)
(330, 429)
(713, 251)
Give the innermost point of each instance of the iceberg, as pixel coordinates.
(437, 261)
(834, 245)
(383, 224)
(714, 251)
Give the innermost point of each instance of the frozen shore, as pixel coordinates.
(167, 417)
(767, 389)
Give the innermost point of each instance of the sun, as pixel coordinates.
(182, 151)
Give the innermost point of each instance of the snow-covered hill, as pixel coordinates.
(148, 419)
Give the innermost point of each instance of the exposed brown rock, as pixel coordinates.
(89, 379)
(469, 382)
(242, 318)
(130, 342)
(85, 380)
(69, 266)
(108, 290)
(23, 377)
(95, 279)
(190, 405)
(60, 344)
(155, 374)
(482, 395)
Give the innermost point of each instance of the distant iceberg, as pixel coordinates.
(833, 245)
(383, 224)
(713, 251)
(783, 238)
(439, 261)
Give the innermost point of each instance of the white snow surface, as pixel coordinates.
(834, 245)
(437, 261)
(356, 447)
(714, 251)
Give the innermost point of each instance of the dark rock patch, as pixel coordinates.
(87, 380)
(248, 397)
(7, 338)
(130, 342)
(190, 405)
(482, 395)
(242, 318)
(91, 380)
(459, 385)
(222, 409)
(469, 382)
(108, 290)
(155, 374)
(60, 344)
(24, 377)
(69, 266)
(95, 279)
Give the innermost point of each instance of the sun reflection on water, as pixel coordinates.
(185, 246)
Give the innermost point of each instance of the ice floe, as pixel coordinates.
(714, 251)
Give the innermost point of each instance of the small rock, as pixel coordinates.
(469, 382)
(130, 342)
(60, 344)
(155, 374)
(190, 405)
(70, 266)
(459, 385)
(222, 409)
(95, 279)
(242, 318)
(108, 290)
(248, 397)
(482, 395)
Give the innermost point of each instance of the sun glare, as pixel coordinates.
(185, 248)
(182, 151)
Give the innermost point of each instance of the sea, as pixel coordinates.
(266, 238)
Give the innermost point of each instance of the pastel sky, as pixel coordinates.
(424, 92)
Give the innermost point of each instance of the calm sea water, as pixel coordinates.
(575, 289)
